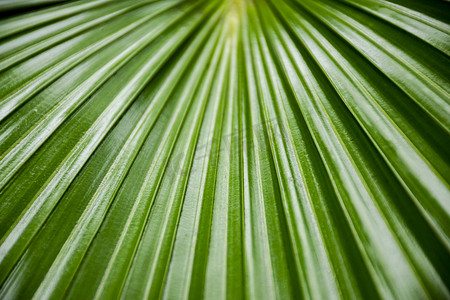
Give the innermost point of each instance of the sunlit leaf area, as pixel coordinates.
(224, 149)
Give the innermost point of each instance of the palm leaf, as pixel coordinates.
(224, 149)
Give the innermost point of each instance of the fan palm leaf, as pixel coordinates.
(224, 149)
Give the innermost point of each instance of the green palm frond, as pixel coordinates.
(260, 149)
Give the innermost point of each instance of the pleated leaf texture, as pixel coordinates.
(225, 149)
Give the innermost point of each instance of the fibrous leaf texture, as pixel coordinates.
(225, 149)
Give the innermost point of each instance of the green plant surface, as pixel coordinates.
(225, 149)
